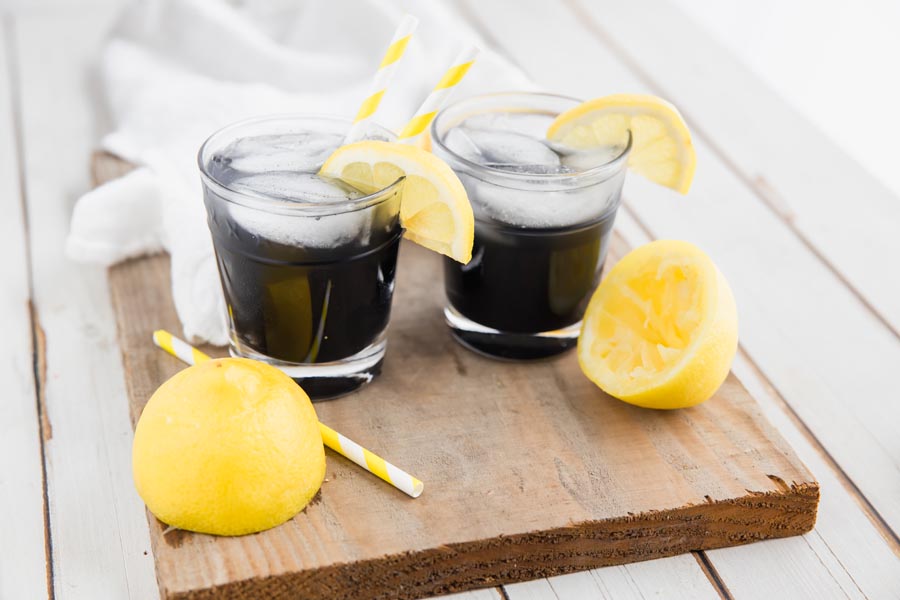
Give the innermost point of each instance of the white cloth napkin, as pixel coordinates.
(174, 71)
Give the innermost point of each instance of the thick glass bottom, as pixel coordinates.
(510, 346)
(327, 380)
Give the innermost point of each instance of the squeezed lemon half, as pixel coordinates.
(434, 207)
(661, 147)
(661, 329)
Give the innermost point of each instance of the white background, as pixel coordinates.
(836, 61)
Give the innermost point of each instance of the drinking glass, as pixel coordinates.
(307, 264)
(543, 220)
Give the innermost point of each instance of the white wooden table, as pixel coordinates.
(808, 240)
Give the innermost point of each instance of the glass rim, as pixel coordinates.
(591, 176)
(273, 204)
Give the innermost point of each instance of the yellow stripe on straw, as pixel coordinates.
(343, 445)
(416, 126)
(369, 106)
(395, 51)
(371, 462)
(438, 96)
(454, 75)
(383, 76)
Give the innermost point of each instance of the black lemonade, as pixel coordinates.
(543, 219)
(307, 264)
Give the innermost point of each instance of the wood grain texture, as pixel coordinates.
(530, 471)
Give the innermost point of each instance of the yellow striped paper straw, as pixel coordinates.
(438, 96)
(344, 446)
(383, 76)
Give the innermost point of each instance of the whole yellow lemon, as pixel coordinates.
(228, 447)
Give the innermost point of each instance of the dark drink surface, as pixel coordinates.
(528, 280)
(305, 304)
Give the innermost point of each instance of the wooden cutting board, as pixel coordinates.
(529, 469)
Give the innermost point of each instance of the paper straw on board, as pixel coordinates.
(383, 76)
(438, 96)
(344, 446)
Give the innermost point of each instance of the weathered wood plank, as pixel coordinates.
(23, 564)
(680, 482)
(99, 534)
(720, 215)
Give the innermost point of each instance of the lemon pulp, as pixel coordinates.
(661, 329)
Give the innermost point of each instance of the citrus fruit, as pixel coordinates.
(434, 208)
(661, 329)
(229, 446)
(661, 147)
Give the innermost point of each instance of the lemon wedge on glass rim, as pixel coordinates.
(661, 329)
(434, 207)
(661, 147)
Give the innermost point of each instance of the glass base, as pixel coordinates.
(510, 346)
(324, 381)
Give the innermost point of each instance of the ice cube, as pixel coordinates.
(542, 207)
(532, 169)
(509, 148)
(300, 229)
(459, 142)
(582, 160)
(534, 125)
(305, 151)
(295, 187)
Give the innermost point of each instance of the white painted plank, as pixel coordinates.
(782, 327)
(845, 556)
(846, 213)
(23, 565)
(676, 578)
(100, 539)
(854, 551)
(485, 594)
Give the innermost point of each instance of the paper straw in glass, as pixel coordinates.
(438, 96)
(383, 77)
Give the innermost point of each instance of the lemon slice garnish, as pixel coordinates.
(434, 207)
(661, 147)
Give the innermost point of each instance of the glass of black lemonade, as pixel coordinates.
(307, 263)
(543, 219)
